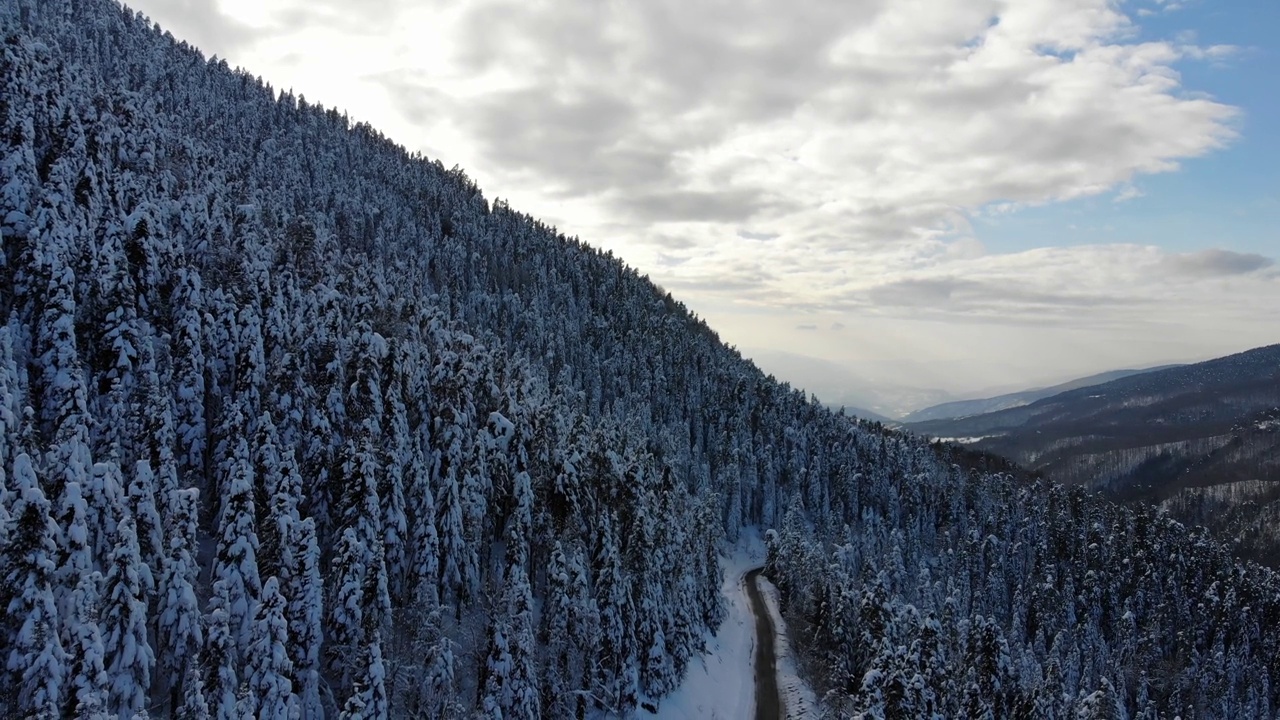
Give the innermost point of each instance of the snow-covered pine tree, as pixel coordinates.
(524, 674)
(154, 416)
(11, 398)
(119, 333)
(141, 500)
(273, 530)
(75, 556)
(269, 668)
(346, 621)
(194, 704)
(436, 692)
(498, 697)
(369, 696)
(510, 684)
(105, 500)
(236, 559)
(179, 626)
(616, 681)
(305, 613)
(62, 396)
(250, 371)
(128, 654)
(363, 516)
(554, 639)
(455, 554)
(219, 661)
(368, 524)
(397, 454)
(424, 550)
(35, 661)
(88, 686)
(188, 373)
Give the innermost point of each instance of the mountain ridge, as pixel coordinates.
(1005, 401)
(1167, 437)
(1186, 377)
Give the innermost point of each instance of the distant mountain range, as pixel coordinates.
(965, 408)
(1160, 436)
(893, 395)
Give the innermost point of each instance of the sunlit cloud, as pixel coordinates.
(792, 159)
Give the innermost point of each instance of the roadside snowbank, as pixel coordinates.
(720, 685)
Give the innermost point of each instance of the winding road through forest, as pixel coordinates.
(768, 700)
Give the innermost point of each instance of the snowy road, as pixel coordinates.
(721, 685)
(768, 702)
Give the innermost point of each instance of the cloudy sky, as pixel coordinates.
(949, 194)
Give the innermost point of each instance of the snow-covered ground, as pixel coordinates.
(963, 440)
(721, 684)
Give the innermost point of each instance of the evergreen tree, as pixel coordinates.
(89, 685)
(434, 694)
(270, 670)
(36, 659)
(105, 500)
(397, 454)
(236, 560)
(424, 551)
(189, 374)
(345, 633)
(76, 559)
(154, 416)
(616, 677)
(554, 638)
(369, 697)
(141, 501)
(455, 553)
(268, 472)
(11, 399)
(220, 684)
(194, 705)
(364, 515)
(305, 613)
(128, 654)
(179, 624)
(63, 397)
(510, 680)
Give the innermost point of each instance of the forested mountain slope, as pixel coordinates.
(1161, 404)
(295, 422)
(1167, 435)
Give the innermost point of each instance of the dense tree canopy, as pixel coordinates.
(329, 432)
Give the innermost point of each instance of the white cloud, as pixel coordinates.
(1127, 193)
(754, 156)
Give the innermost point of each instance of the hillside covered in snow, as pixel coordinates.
(296, 423)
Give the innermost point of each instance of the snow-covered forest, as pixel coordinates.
(296, 423)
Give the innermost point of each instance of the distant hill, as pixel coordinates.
(1159, 405)
(1156, 436)
(978, 406)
